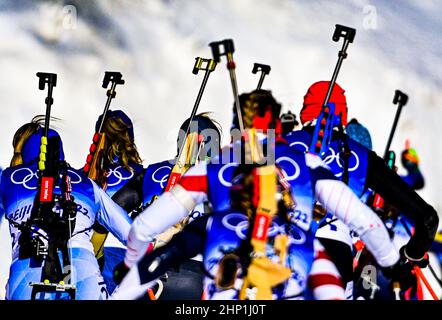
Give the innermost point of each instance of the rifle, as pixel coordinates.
(324, 125)
(95, 166)
(259, 271)
(401, 100)
(50, 230)
(229, 49)
(260, 274)
(187, 154)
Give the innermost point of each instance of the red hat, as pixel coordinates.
(314, 98)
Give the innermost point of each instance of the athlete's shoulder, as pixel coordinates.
(356, 146)
(21, 174)
(285, 150)
(296, 134)
(136, 167)
(158, 168)
(78, 177)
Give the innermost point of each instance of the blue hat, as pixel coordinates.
(118, 114)
(359, 133)
(31, 148)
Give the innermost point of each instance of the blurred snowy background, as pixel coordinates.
(153, 43)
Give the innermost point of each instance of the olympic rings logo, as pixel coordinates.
(295, 165)
(293, 176)
(239, 224)
(221, 178)
(302, 144)
(163, 180)
(25, 181)
(335, 157)
(118, 174)
(26, 178)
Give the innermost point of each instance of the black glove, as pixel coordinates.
(421, 263)
(402, 271)
(120, 272)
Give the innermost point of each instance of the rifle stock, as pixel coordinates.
(96, 151)
(262, 273)
(186, 159)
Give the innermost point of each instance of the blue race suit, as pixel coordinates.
(18, 187)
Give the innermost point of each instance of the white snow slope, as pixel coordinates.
(154, 43)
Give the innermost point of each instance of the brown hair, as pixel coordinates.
(242, 198)
(118, 142)
(242, 190)
(253, 103)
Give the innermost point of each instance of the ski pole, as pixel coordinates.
(207, 65)
(228, 52)
(420, 275)
(320, 134)
(264, 69)
(401, 100)
(98, 140)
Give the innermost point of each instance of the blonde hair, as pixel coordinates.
(20, 138)
(118, 142)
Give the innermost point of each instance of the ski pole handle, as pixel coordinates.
(264, 69)
(401, 100)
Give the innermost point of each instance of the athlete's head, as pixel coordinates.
(27, 140)
(288, 122)
(358, 133)
(314, 98)
(209, 135)
(119, 144)
(259, 110)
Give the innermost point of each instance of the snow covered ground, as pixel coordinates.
(154, 43)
